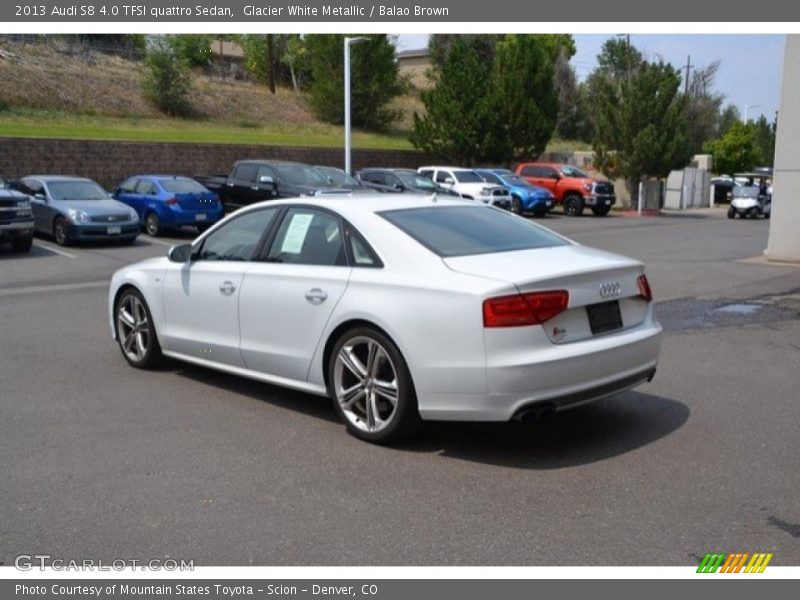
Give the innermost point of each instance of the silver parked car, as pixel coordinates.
(73, 209)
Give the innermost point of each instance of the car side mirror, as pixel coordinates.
(449, 180)
(266, 179)
(399, 186)
(40, 196)
(180, 254)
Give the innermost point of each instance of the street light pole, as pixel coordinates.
(348, 41)
(747, 108)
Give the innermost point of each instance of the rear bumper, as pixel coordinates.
(177, 217)
(562, 376)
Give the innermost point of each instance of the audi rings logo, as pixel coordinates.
(610, 289)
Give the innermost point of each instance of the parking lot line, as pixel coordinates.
(54, 250)
(57, 287)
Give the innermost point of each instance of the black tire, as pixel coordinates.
(152, 225)
(753, 212)
(731, 213)
(61, 232)
(405, 419)
(22, 244)
(573, 205)
(516, 205)
(601, 211)
(152, 357)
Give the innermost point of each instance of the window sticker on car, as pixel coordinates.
(296, 234)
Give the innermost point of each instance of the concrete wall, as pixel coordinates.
(784, 227)
(108, 163)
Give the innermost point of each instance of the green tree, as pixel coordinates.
(167, 81)
(703, 106)
(375, 80)
(523, 97)
(440, 44)
(640, 126)
(736, 151)
(193, 49)
(727, 117)
(764, 133)
(457, 121)
(617, 59)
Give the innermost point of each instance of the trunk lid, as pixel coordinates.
(592, 277)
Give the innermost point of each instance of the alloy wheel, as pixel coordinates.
(60, 232)
(152, 225)
(365, 384)
(133, 328)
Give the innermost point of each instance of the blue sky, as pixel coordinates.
(750, 65)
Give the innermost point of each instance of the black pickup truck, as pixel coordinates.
(255, 180)
(16, 219)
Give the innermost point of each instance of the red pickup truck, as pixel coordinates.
(573, 189)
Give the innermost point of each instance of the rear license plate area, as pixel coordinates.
(604, 317)
(114, 230)
(200, 217)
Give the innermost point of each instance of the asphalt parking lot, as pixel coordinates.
(103, 461)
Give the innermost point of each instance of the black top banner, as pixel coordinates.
(399, 11)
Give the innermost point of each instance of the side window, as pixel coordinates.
(427, 173)
(308, 237)
(265, 172)
(237, 239)
(490, 178)
(246, 172)
(128, 186)
(363, 256)
(146, 188)
(31, 187)
(441, 176)
(374, 177)
(530, 171)
(393, 180)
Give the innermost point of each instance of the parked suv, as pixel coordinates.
(16, 219)
(573, 189)
(468, 184)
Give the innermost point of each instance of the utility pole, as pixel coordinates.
(689, 66)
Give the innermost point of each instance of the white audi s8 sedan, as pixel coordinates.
(400, 308)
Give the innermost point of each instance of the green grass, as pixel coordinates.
(47, 124)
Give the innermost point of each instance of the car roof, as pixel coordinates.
(391, 169)
(543, 164)
(53, 178)
(348, 204)
(440, 168)
(269, 161)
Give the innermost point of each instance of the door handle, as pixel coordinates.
(229, 184)
(316, 296)
(227, 288)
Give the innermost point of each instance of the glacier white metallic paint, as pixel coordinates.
(278, 322)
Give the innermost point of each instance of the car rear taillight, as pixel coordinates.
(644, 288)
(519, 310)
(172, 201)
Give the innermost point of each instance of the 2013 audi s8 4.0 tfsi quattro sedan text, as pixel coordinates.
(400, 309)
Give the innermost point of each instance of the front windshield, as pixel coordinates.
(570, 171)
(467, 177)
(490, 177)
(76, 190)
(182, 185)
(339, 178)
(516, 180)
(412, 180)
(745, 191)
(302, 175)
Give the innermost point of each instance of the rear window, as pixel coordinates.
(467, 230)
(182, 186)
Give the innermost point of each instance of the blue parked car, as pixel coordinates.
(525, 197)
(166, 202)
